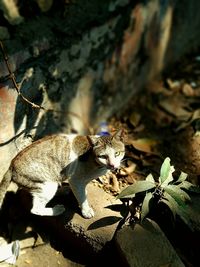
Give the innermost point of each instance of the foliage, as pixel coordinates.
(172, 192)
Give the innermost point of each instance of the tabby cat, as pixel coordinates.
(45, 164)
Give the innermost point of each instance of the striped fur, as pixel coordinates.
(48, 162)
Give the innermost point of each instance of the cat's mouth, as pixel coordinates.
(112, 167)
(107, 166)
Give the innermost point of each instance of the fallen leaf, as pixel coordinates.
(173, 85)
(128, 170)
(194, 116)
(176, 107)
(144, 144)
(187, 90)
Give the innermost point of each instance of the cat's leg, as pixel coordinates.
(80, 192)
(86, 210)
(42, 196)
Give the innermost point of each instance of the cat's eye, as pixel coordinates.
(117, 153)
(103, 156)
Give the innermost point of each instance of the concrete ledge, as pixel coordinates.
(146, 245)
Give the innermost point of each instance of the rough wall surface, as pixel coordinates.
(83, 61)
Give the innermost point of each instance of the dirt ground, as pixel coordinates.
(44, 256)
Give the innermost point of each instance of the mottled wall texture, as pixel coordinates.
(84, 61)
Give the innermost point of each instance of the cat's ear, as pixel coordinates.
(119, 135)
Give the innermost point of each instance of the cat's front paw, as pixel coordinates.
(87, 212)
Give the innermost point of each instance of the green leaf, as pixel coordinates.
(175, 208)
(164, 170)
(145, 205)
(166, 173)
(139, 186)
(175, 194)
(182, 194)
(189, 186)
(182, 177)
(172, 203)
(150, 178)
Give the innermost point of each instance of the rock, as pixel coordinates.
(100, 229)
(70, 232)
(146, 245)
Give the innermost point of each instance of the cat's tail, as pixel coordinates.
(4, 185)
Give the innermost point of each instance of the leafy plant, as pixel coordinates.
(172, 192)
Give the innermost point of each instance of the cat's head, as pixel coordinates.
(109, 150)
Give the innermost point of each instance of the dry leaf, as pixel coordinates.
(144, 144)
(128, 170)
(195, 115)
(174, 85)
(187, 90)
(175, 107)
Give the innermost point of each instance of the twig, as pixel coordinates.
(33, 105)
(12, 77)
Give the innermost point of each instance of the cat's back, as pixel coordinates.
(45, 159)
(59, 148)
(49, 147)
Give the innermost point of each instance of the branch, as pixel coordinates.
(12, 77)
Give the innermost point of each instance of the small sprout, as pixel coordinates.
(168, 190)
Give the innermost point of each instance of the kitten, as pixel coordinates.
(42, 166)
